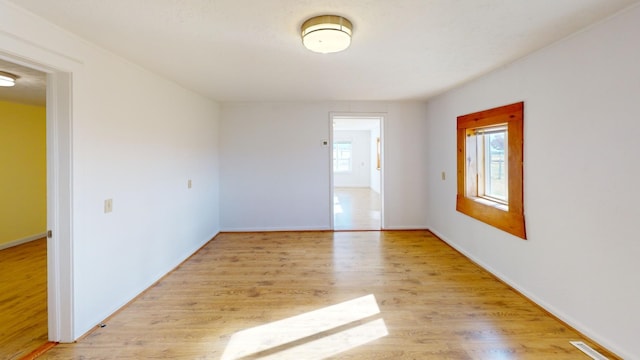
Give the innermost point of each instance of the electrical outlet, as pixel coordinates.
(189, 184)
(108, 206)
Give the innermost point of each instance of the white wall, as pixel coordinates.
(137, 139)
(581, 146)
(360, 174)
(275, 173)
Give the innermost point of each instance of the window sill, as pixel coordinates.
(493, 204)
(493, 213)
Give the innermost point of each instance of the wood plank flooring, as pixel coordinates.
(356, 209)
(23, 299)
(325, 295)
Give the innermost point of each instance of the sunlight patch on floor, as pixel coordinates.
(333, 344)
(285, 339)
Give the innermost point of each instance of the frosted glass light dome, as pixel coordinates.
(7, 80)
(327, 34)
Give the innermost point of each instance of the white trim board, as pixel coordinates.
(22, 241)
(405, 227)
(572, 322)
(275, 229)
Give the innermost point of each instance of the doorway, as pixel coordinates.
(58, 249)
(356, 172)
(23, 244)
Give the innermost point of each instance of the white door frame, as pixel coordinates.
(59, 182)
(381, 117)
(59, 207)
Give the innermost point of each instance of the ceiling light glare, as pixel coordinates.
(7, 80)
(327, 34)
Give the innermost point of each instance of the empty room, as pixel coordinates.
(202, 161)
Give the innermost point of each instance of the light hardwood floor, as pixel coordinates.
(356, 209)
(23, 299)
(325, 295)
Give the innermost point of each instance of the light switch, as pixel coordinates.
(444, 176)
(108, 206)
(189, 184)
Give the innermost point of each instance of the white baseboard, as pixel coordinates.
(274, 229)
(149, 284)
(406, 227)
(574, 323)
(319, 228)
(22, 241)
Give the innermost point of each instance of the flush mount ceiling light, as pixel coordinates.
(327, 33)
(7, 79)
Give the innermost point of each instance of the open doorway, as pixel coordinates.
(357, 172)
(23, 212)
(57, 85)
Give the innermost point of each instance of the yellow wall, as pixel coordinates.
(23, 166)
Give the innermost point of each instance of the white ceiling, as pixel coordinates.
(30, 88)
(250, 50)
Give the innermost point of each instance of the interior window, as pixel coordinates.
(490, 167)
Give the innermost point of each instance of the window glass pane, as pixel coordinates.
(495, 157)
(341, 156)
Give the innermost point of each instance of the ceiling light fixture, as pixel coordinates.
(327, 33)
(7, 79)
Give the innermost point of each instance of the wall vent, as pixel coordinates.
(588, 350)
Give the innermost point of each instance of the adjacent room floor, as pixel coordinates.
(356, 209)
(23, 299)
(328, 295)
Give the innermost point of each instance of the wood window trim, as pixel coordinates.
(511, 220)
